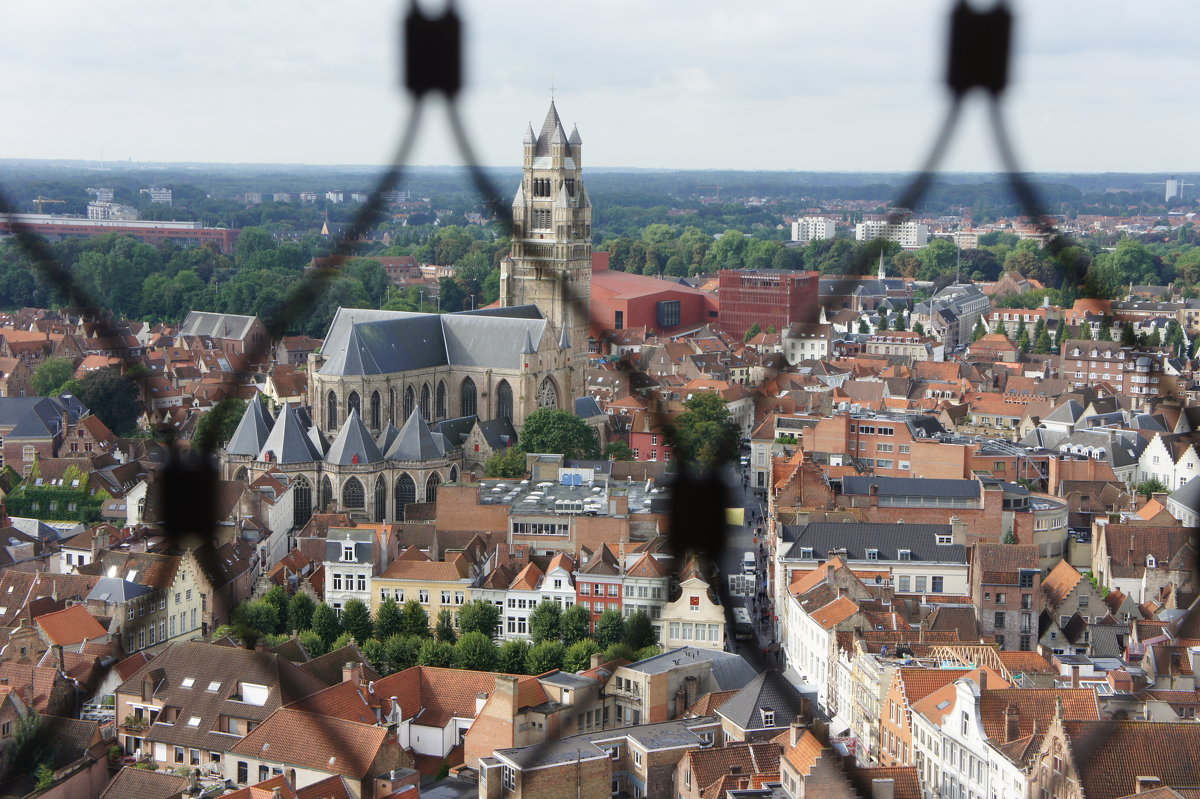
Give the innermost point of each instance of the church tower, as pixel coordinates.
(551, 261)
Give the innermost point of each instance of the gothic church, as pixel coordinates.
(399, 403)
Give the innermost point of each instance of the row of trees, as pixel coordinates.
(401, 636)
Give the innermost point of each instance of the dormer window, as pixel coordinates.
(806, 553)
(872, 554)
(945, 539)
(905, 554)
(768, 718)
(1151, 562)
(347, 551)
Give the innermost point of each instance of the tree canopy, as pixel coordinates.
(549, 430)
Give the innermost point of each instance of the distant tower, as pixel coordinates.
(882, 274)
(551, 261)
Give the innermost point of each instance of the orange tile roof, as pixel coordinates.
(528, 579)
(1025, 662)
(345, 700)
(805, 754)
(835, 612)
(320, 743)
(1060, 582)
(71, 626)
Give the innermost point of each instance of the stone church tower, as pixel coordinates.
(551, 261)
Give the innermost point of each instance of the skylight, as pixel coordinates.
(214, 686)
(194, 721)
(188, 682)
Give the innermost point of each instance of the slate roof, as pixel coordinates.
(729, 671)
(252, 431)
(1187, 495)
(216, 325)
(416, 442)
(768, 691)
(857, 537)
(353, 441)
(365, 342)
(289, 441)
(911, 487)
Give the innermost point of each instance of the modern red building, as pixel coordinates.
(56, 228)
(620, 300)
(771, 298)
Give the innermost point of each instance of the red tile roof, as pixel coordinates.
(71, 626)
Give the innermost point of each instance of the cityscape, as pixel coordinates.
(561, 478)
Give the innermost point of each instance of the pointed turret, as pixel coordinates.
(529, 138)
(416, 442)
(528, 349)
(550, 128)
(353, 444)
(564, 341)
(575, 137)
(252, 431)
(519, 198)
(289, 441)
(386, 437)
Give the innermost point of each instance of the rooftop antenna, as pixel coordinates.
(551, 88)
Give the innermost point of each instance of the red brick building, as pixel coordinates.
(770, 298)
(621, 300)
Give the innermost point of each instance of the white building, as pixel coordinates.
(909, 235)
(693, 619)
(812, 228)
(349, 566)
(160, 196)
(111, 210)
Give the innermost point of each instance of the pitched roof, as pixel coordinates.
(353, 444)
(140, 783)
(1060, 582)
(289, 440)
(769, 691)
(1109, 755)
(252, 431)
(415, 441)
(325, 744)
(73, 625)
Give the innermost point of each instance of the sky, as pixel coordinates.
(1095, 85)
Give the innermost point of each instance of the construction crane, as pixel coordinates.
(718, 188)
(39, 201)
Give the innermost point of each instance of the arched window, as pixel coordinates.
(392, 405)
(440, 406)
(431, 487)
(353, 404)
(453, 474)
(504, 400)
(301, 501)
(406, 492)
(409, 402)
(380, 499)
(240, 476)
(331, 417)
(375, 403)
(547, 396)
(353, 495)
(326, 494)
(425, 402)
(466, 398)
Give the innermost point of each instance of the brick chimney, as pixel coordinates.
(353, 671)
(1012, 723)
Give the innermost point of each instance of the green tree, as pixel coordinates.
(475, 651)
(300, 611)
(343, 640)
(883, 321)
(1042, 344)
(436, 653)
(508, 463)
(313, 643)
(545, 622)
(387, 619)
(751, 332)
(259, 616)
(647, 652)
(704, 433)
(578, 655)
(356, 619)
(479, 616)
(325, 623)
(373, 651)
(1002, 328)
(512, 657)
(216, 427)
(619, 650)
(50, 376)
(1149, 487)
(414, 620)
(402, 651)
(1128, 337)
(618, 451)
(112, 398)
(863, 327)
(1009, 538)
(444, 629)
(610, 628)
(251, 242)
(977, 332)
(544, 657)
(1022, 336)
(575, 624)
(639, 632)
(549, 430)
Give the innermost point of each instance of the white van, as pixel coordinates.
(749, 563)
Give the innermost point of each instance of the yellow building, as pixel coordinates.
(435, 584)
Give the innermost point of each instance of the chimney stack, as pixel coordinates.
(353, 671)
(1012, 723)
(883, 789)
